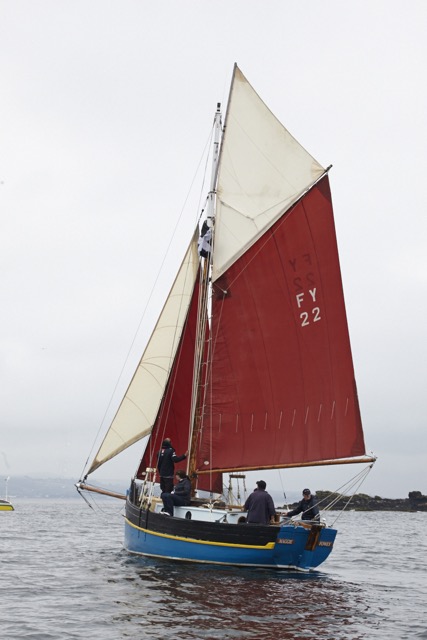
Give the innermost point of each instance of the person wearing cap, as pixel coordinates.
(181, 495)
(308, 507)
(166, 459)
(259, 505)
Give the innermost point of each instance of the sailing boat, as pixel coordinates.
(249, 366)
(5, 505)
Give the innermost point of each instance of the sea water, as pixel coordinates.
(64, 574)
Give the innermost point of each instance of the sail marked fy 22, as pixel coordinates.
(249, 366)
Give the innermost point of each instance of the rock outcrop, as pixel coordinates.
(415, 501)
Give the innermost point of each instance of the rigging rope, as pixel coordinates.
(126, 360)
(94, 504)
(353, 484)
(159, 437)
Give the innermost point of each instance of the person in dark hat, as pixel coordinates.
(259, 505)
(166, 459)
(307, 507)
(181, 495)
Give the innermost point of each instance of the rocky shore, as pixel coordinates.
(415, 501)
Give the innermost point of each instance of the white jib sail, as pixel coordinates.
(138, 410)
(263, 170)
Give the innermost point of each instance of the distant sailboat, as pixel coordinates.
(249, 366)
(5, 505)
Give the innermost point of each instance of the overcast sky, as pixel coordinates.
(105, 110)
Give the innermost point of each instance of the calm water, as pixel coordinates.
(64, 575)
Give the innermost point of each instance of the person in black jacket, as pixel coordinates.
(308, 507)
(259, 505)
(166, 459)
(181, 495)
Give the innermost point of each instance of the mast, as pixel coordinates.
(197, 400)
(217, 139)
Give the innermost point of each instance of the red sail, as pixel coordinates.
(173, 419)
(281, 389)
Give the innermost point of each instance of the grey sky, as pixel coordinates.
(106, 107)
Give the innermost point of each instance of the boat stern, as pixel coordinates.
(303, 546)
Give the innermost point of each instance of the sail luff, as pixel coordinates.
(137, 412)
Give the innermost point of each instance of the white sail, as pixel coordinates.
(263, 171)
(138, 410)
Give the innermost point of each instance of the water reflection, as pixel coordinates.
(180, 600)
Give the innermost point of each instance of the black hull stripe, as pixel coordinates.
(249, 535)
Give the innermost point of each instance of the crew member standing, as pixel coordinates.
(260, 505)
(166, 459)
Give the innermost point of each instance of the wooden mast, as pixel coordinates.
(196, 412)
(197, 381)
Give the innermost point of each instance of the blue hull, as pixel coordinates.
(278, 546)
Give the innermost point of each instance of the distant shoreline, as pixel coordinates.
(24, 487)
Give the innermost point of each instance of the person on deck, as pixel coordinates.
(166, 459)
(259, 505)
(308, 507)
(181, 495)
